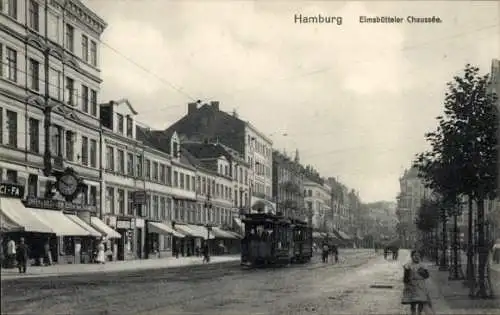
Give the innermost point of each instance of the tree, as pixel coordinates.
(428, 215)
(463, 156)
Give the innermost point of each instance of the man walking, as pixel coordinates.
(335, 253)
(206, 254)
(22, 256)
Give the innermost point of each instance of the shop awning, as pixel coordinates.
(160, 228)
(193, 230)
(104, 228)
(61, 225)
(17, 213)
(344, 235)
(84, 225)
(318, 235)
(7, 225)
(220, 233)
(238, 223)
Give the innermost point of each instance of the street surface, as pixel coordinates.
(223, 288)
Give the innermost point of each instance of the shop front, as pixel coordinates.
(160, 239)
(125, 226)
(195, 235)
(224, 242)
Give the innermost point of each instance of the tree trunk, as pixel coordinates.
(471, 273)
(436, 245)
(456, 272)
(482, 250)
(443, 266)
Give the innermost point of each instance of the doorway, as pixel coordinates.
(138, 246)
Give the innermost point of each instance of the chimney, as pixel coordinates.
(215, 105)
(192, 107)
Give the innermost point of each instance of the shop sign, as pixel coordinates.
(125, 225)
(139, 197)
(11, 190)
(139, 223)
(53, 204)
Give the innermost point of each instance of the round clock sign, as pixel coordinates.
(68, 185)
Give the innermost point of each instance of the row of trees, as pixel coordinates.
(462, 161)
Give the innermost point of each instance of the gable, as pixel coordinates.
(124, 107)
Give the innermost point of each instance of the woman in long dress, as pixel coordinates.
(100, 253)
(415, 292)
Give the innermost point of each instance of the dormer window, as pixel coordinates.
(119, 122)
(129, 126)
(175, 149)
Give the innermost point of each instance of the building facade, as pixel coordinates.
(63, 37)
(317, 201)
(412, 191)
(207, 123)
(288, 185)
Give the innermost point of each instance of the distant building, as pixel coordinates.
(288, 185)
(318, 205)
(412, 191)
(207, 123)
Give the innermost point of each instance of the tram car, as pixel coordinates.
(268, 240)
(302, 241)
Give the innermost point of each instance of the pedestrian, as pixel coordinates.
(335, 253)
(11, 253)
(415, 292)
(324, 254)
(22, 256)
(101, 257)
(206, 253)
(496, 253)
(47, 253)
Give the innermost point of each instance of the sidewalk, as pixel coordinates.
(452, 297)
(115, 266)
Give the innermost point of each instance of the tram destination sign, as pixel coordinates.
(11, 190)
(57, 205)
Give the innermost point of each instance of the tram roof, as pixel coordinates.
(256, 217)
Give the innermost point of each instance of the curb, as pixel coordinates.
(15, 276)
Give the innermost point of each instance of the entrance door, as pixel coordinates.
(138, 246)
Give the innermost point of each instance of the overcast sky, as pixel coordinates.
(355, 99)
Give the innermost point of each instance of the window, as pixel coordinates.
(110, 159)
(12, 128)
(155, 171)
(169, 209)
(121, 201)
(188, 183)
(119, 122)
(70, 37)
(181, 180)
(11, 176)
(129, 126)
(70, 140)
(56, 140)
(130, 164)
(176, 179)
(34, 75)
(11, 64)
(93, 103)
(110, 200)
(85, 48)
(32, 185)
(85, 98)
(163, 209)
(34, 132)
(147, 169)
(93, 196)
(175, 150)
(12, 8)
(85, 150)
(121, 161)
(169, 176)
(70, 91)
(154, 207)
(93, 53)
(55, 83)
(93, 153)
(130, 203)
(162, 174)
(34, 20)
(139, 166)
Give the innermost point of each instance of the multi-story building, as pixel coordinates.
(341, 208)
(317, 201)
(49, 120)
(208, 123)
(288, 185)
(412, 191)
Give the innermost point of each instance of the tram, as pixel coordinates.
(273, 240)
(302, 241)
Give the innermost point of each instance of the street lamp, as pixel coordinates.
(208, 206)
